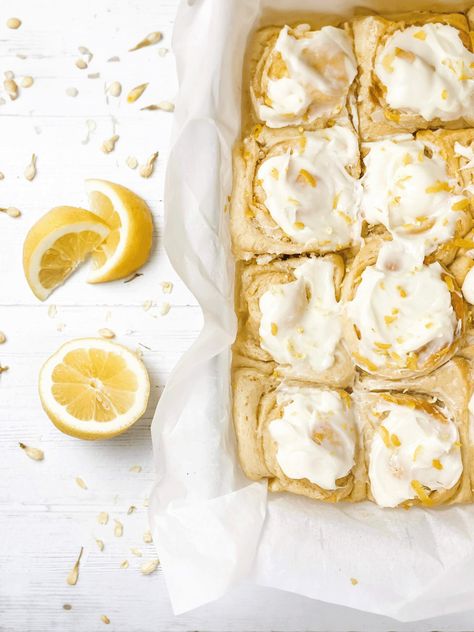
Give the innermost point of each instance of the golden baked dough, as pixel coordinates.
(327, 188)
(255, 281)
(443, 394)
(376, 118)
(394, 361)
(260, 400)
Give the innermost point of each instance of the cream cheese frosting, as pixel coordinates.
(427, 71)
(300, 323)
(309, 192)
(309, 76)
(315, 436)
(412, 453)
(401, 310)
(406, 187)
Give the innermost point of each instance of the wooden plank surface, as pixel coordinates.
(45, 516)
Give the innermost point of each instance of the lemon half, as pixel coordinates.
(93, 388)
(57, 244)
(128, 245)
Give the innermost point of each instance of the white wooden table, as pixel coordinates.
(45, 516)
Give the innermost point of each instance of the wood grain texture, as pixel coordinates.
(45, 516)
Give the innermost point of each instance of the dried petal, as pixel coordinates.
(109, 144)
(165, 308)
(166, 287)
(13, 23)
(150, 567)
(30, 170)
(115, 89)
(132, 162)
(118, 529)
(80, 482)
(147, 169)
(11, 88)
(106, 333)
(131, 509)
(124, 564)
(136, 551)
(100, 544)
(165, 106)
(34, 453)
(147, 305)
(72, 92)
(74, 574)
(149, 40)
(105, 619)
(27, 82)
(103, 517)
(135, 468)
(136, 93)
(147, 537)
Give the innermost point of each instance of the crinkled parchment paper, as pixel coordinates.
(214, 527)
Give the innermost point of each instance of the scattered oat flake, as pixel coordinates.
(124, 564)
(2, 176)
(115, 58)
(13, 23)
(80, 482)
(85, 51)
(354, 581)
(22, 56)
(72, 92)
(166, 287)
(52, 311)
(150, 567)
(11, 88)
(81, 64)
(132, 162)
(147, 305)
(162, 52)
(105, 619)
(165, 308)
(67, 606)
(147, 537)
(27, 81)
(109, 144)
(149, 40)
(93, 75)
(60, 327)
(165, 106)
(106, 333)
(145, 502)
(3, 338)
(147, 169)
(103, 517)
(74, 574)
(30, 170)
(9, 74)
(131, 509)
(34, 453)
(135, 468)
(136, 92)
(118, 529)
(136, 551)
(100, 544)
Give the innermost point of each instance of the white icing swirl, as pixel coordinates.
(400, 308)
(315, 437)
(428, 71)
(312, 78)
(309, 192)
(412, 448)
(411, 193)
(300, 323)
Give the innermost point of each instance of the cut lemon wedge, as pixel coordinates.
(57, 244)
(128, 245)
(93, 388)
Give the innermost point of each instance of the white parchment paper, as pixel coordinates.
(213, 527)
